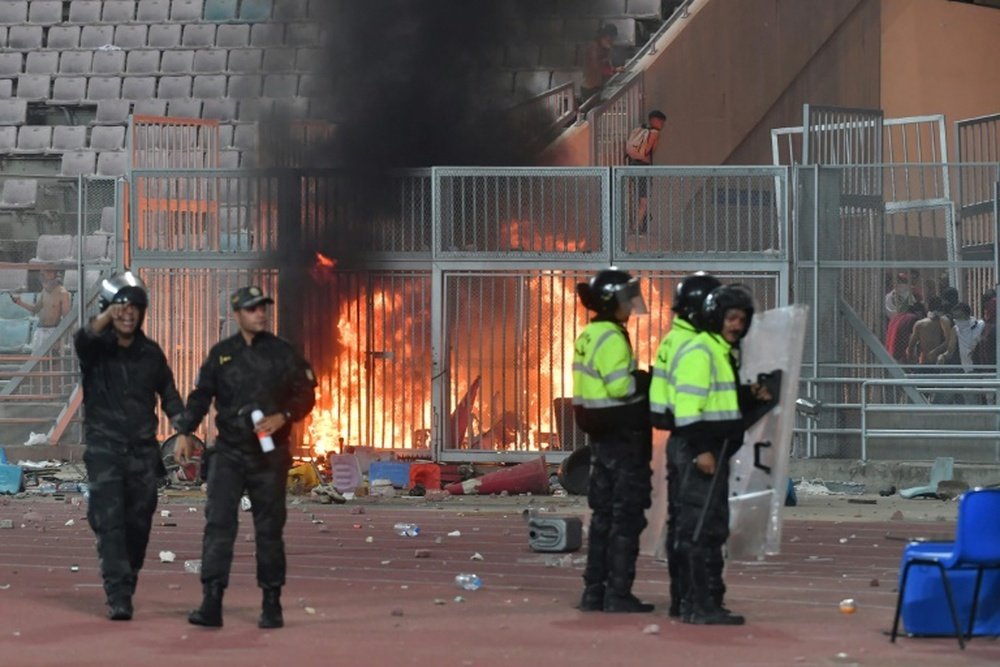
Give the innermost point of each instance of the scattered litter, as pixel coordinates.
(357, 525)
(863, 501)
(357, 510)
(896, 516)
(167, 556)
(309, 610)
(396, 612)
(469, 582)
(6, 523)
(422, 553)
(36, 439)
(847, 606)
(887, 491)
(74, 568)
(317, 521)
(173, 587)
(192, 566)
(440, 601)
(874, 583)
(245, 503)
(386, 562)
(455, 533)
(323, 529)
(406, 529)
(814, 488)
(404, 587)
(651, 629)
(843, 540)
(369, 539)
(69, 522)
(476, 556)
(193, 510)
(794, 539)
(165, 514)
(459, 598)
(438, 540)
(4, 587)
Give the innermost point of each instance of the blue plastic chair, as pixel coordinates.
(976, 547)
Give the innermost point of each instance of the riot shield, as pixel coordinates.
(759, 470)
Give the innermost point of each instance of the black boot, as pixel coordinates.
(712, 615)
(618, 598)
(270, 614)
(616, 603)
(209, 614)
(704, 609)
(592, 598)
(120, 607)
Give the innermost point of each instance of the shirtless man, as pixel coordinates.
(50, 307)
(928, 338)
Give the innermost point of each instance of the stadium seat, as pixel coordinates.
(110, 112)
(13, 12)
(245, 61)
(69, 89)
(209, 61)
(245, 137)
(288, 10)
(12, 311)
(107, 220)
(291, 107)
(174, 86)
(255, 109)
(150, 107)
(153, 11)
(33, 139)
(71, 280)
(198, 35)
(6, 88)
(209, 86)
(41, 62)
(108, 62)
(139, 87)
(645, 9)
(95, 247)
(107, 138)
(218, 108)
(45, 12)
(142, 62)
(177, 62)
(72, 137)
(186, 10)
(96, 36)
(75, 62)
(78, 163)
(104, 88)
(184, 107)
(244, 86)
(281, 85)
(34, 87)
(112, 163)
(11, 64)
(130, 36)
(233, 36)
(118, 11)
(267, 35)
(255, 10)
(13, 280)
(164, 36)
(229, 159)
(8, 138)
(277, 61)
(85, 11)
(19, 193)
(15, 336)
(53, 248)
(64, 37)
(303, 34)
(225, 135)
(308, 60)
(24, 37)
(220, 10)
(13, 112)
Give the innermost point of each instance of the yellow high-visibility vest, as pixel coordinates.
(661, 385)
(704, 382)
(603, 364)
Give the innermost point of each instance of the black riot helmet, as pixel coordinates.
(123, 288)
(719, 302)
(608, 290)
(691, 292)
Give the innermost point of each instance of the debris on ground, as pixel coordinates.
(651, 629)
(167, 556)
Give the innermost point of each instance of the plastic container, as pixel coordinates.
(469, 582)
(266, 442)
(397, 472)
(407, 529)
(192, 566)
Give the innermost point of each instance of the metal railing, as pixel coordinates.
(612, 122)
(539, 117)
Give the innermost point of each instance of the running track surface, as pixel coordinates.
(358, 595)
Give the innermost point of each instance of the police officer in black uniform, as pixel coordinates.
(123, 373)
(253, 370)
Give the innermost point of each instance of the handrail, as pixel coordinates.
(550, 110)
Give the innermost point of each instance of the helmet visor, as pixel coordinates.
(630, 295)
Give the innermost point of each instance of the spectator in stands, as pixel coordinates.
(965, 335)
(642, 141)
(597, 65)
(900, 297)
(51, 305)
(900, 331)
(985, 353)
(928, 337)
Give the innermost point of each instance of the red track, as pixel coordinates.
(349, 601)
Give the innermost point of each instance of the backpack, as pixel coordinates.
(636, 143)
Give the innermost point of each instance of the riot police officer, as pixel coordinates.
(123, 373)
(688, 299)
(708, 417)
(251, 371)
(610, 400)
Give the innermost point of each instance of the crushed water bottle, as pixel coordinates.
(192, 566)
(407, 529)
(469, 582)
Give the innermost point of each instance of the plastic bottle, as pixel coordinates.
(407, 529)
(469, 582)
(266, 443)
(192, 566)
(85, 490)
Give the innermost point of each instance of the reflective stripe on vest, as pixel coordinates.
(661, 385)
(704, 382)
(602, 367)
